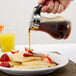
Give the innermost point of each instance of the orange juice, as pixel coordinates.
(7, 41)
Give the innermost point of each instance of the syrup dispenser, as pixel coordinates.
(57, 27)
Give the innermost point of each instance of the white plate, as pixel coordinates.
(61, 60)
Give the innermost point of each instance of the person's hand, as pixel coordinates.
(54, 6)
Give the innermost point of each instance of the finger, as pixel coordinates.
(60, 9)
(41, 1)
(65, 2)
(56, 6)
(50, 6)
(45, 9)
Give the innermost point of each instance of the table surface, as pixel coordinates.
(68, 70)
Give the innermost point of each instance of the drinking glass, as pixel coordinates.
(7, 39)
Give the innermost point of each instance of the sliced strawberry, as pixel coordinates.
(5, 64)
(13, 52)
(27, 54)
(47, 59)
(4, 57)
(32, 49)
(1, 27)
(26, 49)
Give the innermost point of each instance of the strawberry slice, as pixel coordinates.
(26, 49)
(47, 59)
(27, 54)
(4, 57)
(5, 64)
(13, 52)
(1, 27)
(32, 49)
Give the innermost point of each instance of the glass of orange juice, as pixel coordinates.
(7, 40)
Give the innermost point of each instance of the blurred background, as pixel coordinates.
(17, 13)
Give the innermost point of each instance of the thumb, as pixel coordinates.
(65, 3)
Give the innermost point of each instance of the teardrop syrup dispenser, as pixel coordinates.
(57, 27)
